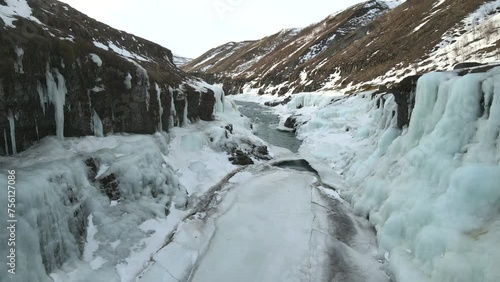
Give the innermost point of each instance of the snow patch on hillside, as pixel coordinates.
(16, 8)
(472, 22)
(96, 59)
(393, 3)
(125, 53)
(474, 41)
(179, 61)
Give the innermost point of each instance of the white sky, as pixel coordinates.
(191, 27)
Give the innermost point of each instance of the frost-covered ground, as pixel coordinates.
(431, 190)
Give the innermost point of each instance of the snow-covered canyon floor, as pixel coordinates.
(271, 224)
(171, 207)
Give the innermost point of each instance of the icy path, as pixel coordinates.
(270, 224)
(264, 234)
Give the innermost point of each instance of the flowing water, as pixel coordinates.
(266, 123)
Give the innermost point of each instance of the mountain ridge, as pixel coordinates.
(354, 49)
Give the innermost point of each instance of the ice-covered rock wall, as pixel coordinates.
(433, 193)
(63, 104)
(423, 164)
(82, 202)
(64, 74)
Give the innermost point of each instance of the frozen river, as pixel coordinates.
(266, 123)
(271, 223)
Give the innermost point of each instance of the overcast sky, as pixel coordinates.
(191, 27)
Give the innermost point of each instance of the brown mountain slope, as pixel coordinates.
(404, 36)
(282, 56)
(356, 47)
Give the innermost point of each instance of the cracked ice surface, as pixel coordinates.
(270, 225)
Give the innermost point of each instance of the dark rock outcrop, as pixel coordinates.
(277, 103)
(240, 158)
(404, 94)
(261, 152)
(110, 186)
(477, 69)
(72, 76)
(242, 153)
(291, 122)
(229, 128)
(467, 65)
(92, 167)
(294, 122)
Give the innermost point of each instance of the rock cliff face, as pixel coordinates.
(63, 73)
(404, 92)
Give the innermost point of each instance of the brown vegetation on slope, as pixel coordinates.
(360, 51)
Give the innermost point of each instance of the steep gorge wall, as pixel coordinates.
(428, 182)
(64, 74)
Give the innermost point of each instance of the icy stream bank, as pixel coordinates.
(272, 221)
(270, 224)
(266, 125)
(431, 190)
(98, 208)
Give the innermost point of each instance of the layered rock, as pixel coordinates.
(63, 73)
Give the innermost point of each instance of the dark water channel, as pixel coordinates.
(266, 123)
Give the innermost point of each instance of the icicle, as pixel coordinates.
(97, 124)
(128, 81)
(173, 113)
(142, 80)
(147, 100)
(36, 128)
(185, 117)
(6, 144)
(219, 101)
(426, 97)
(222, 95)
(12, 125)
(160, 107)
(20, 54)
(44, 99)
(57, 91)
